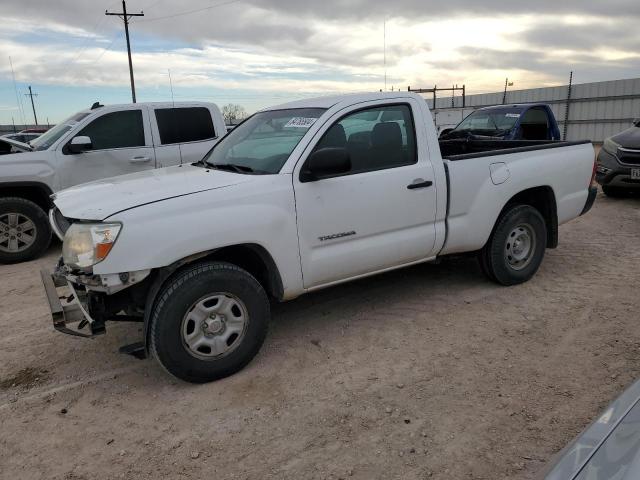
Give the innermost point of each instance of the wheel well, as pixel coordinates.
(250, 257)
(255, 260)
(38, 194)
(544, 200)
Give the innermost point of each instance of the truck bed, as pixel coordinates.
(479, 189)
(462, 149)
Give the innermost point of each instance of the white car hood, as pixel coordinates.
(101, 199)
(19, 145)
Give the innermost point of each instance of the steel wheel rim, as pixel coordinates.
(17, 232)
(214, 325)
(520, 246)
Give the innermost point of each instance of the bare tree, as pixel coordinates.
(233, 112)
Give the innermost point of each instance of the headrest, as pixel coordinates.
(334, 138)
(386, 135)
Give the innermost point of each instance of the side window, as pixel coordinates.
(376, 138)
(116, 130)
(534, 125)
(182, 125)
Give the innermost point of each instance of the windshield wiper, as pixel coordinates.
(231, 167)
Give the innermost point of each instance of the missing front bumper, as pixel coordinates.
(68, 309)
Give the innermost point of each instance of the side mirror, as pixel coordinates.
(445, 132)
(80, 144)
(326, 162)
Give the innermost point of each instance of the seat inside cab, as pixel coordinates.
(535, 125)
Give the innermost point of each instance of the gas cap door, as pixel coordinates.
(499, 173)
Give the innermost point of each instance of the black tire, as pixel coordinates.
(614, 192)
(178, 296)
(29, 210)
(493, 257)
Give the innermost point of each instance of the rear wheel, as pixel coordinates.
(24, 230)
(209, 322)
(516, 248)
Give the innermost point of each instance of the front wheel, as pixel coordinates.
(24, 230)
(209, 322)
(516, 248)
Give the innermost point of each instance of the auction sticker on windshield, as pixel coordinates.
(512, 115)
(300, 122)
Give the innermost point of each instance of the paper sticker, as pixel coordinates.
(512, 115)
(300, 122)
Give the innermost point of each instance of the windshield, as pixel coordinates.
(493, 119)
(263, 143)
(44, 141)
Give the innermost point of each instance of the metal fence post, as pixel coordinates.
(566, 110)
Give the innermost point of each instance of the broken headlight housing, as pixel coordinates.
(86, 244)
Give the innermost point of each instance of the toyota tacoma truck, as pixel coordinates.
(100, 142)
(297, 198)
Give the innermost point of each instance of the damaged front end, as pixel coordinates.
(82, 303)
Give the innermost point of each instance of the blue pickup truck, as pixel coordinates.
(526, 121)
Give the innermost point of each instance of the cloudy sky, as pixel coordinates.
(262, 52)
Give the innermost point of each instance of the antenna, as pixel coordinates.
(171, 86)
(385, 53)
(15, 87)
(173, 102)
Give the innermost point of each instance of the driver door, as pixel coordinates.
(121, 144)
(380, 214)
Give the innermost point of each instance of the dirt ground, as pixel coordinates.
(429, 372)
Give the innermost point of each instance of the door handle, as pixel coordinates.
(419, 183)
(140, 159)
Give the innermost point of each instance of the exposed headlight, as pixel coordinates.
(610, 146)
(86, 244)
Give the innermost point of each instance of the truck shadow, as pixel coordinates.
(415, 286)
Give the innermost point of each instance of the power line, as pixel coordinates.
(189, 12)
(108, 47)
(125, 17)
(83, 46)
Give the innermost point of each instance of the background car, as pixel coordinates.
(619, 162)
(529, 121)
(609, 448)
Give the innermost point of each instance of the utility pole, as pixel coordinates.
(31, 94)
(507, 83)
(126, 17)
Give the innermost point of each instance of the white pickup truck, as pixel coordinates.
(300, 197)
(101, 142)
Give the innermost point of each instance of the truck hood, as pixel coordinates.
(629, 138)
(24, 147)
(101, 199)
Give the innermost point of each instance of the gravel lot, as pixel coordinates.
(428, 372)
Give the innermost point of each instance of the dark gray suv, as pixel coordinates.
(618, 168)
